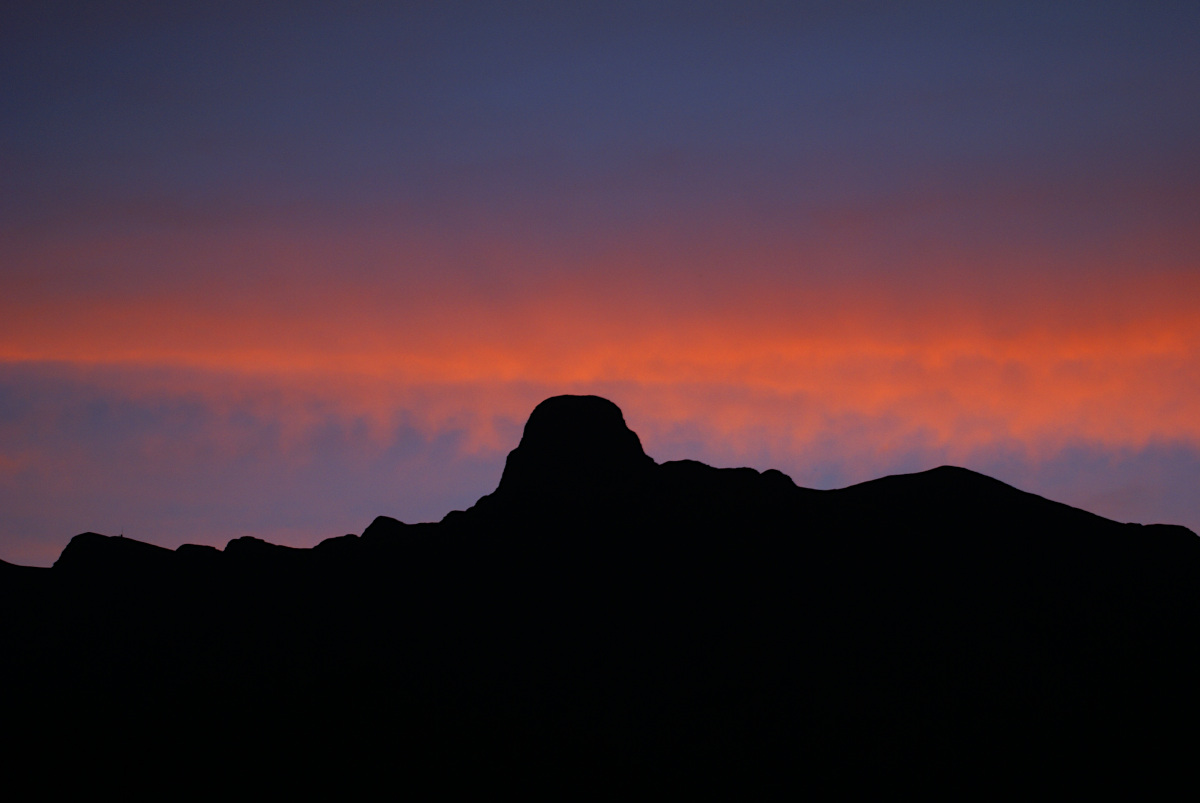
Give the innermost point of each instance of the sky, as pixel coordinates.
(274, 270)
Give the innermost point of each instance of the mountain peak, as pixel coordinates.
(572, 443)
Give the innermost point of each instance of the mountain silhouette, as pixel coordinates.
(572, 446)
(601, 619)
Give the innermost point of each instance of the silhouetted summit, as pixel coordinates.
(574, 444)
(92, 552)
(601, 618)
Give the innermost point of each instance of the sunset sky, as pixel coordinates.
(275, 271)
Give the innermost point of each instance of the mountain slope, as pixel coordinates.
(601, 616)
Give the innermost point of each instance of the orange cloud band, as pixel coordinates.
(741, 340)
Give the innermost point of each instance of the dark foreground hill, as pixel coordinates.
(601, 620)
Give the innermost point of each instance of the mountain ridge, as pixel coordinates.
(580, 446)
(387, 523)
(616, 618)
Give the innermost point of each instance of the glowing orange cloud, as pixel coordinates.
(740, 337)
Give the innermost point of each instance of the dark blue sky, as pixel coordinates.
(579, 109)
